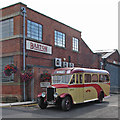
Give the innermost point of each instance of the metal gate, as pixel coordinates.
(114, 71)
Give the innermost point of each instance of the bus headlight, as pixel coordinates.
(56, 95)
(43, 94)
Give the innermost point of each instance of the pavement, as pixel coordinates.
(17, 104)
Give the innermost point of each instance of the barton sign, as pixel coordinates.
(38, 47)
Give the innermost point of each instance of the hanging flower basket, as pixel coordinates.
(9, 69)
(45, 77)
(26, 75)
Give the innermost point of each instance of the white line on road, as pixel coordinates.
(102, 104)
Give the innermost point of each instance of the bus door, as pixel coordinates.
(76, 88)
(79, 82)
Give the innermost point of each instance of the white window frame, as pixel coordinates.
(34, 30)
(7, 28)
(59, 39)
(75, 44)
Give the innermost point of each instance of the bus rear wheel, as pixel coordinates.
(100, 98)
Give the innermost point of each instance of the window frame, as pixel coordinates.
(34, 30)
(75, 44)
(97, 78)
(59, 39)
(103, 81)
(85, 79)
(7, 26)
(77, 75)
(5, 79)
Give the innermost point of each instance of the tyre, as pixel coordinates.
(66, 103)
(100, 98)
(42, 104)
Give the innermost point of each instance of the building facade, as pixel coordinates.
(49, 44)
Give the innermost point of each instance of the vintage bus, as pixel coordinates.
(75, 85)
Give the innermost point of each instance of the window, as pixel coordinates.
(61, 79)
(7, 28)
(59, 39)
(103, 78)
(94, 78)
(77, 78)
(34, 30)
(73, 80)
(80, 76)
(5, 61)
(87, 78)
(75, 44)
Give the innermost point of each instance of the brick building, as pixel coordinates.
(49, 44)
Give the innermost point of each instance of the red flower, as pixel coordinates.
(45, 77)
(9, 69)
(26, 75)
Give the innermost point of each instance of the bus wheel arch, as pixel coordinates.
(65, 95)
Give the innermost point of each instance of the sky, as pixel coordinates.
(96, 19)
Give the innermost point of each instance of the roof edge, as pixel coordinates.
(87, 45)
(54, 20)
(14, 5)
(41, 14)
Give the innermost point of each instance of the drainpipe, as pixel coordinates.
(24, 12)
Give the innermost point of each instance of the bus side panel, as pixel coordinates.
(90, 93)
(77, 94)
(61, 90)
(106, 88)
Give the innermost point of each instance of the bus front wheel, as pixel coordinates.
(66, 103)
(42, 104)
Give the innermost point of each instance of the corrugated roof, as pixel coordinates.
(105, 53)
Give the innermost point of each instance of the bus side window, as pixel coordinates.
(73, 80)
(94, 78)
(106, 78)
(87, 78)
(77, 78)
(101, 78)
(80, 76)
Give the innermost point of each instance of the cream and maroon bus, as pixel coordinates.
(75, 85)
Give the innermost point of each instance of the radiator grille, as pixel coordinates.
(50, 94)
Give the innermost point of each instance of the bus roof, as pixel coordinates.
(79, 70)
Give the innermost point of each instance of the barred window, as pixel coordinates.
(34, 30)
(6, 28)
(59, 39)
(75, 44)
(6, 61)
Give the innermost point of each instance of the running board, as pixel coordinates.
(90, 100)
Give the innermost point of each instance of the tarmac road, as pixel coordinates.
(107, 109)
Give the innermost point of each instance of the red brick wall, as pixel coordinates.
(12, 9)
(114, 57)
(17, 25)
(15, 90)
(10, 46)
